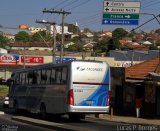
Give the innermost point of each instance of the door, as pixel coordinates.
(158, 100)
(119, 98)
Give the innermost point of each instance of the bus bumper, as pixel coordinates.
(88, 109)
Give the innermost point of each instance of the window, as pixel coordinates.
(43, 76)
(17, 80)
(20, 78)
(34, 78)
(23, 78)
(48, 74)
(58, 75)
(64, 75)
(27, 79)
(30, 77)
(38, 76)
(53, 76)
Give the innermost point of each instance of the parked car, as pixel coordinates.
(6, 102)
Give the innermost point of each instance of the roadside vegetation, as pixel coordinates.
(3, 90)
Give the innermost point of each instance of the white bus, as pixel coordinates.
(75, 88)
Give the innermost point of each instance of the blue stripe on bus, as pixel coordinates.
(99, 97)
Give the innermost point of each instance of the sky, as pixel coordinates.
(87, 13)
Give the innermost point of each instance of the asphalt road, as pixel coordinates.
(6, 124)
(25, 122)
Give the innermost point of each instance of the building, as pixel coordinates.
(58, 29)
(143, 81)
(36, 29)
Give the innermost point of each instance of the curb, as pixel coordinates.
(121, 120)
(47, 124)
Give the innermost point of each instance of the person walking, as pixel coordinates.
(138, 106)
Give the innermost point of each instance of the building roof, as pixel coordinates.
(147, 43)
(32, 44)
(143, 70)
(136, 46)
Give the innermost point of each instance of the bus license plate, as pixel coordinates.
(89, 102)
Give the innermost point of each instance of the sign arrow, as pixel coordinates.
(107, 3)
(107, 9)
(128, 16)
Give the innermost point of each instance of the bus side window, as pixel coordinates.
(38, 76)
(48, 74)
(43, 77)
(58, 75)
(27, 79)
(30, 77)
(53, 76)
(34, 79)
(17, 79)
(23, 78)
(64, 75)
(20, 78)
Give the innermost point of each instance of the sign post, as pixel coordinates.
(121, 13)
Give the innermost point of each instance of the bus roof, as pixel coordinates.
(52, 65)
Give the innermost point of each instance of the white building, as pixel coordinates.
(3, 50)
(36, 29)
(58, 29)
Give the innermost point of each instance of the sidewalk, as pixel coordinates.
(129, 119)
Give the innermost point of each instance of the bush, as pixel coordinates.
(4, 90)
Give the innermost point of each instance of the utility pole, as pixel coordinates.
(63, 17)
(54, 37)
(24, 57)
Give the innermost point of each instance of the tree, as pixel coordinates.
(100, 47)
(41, 36)
(22, 36)
(87, 30)
(157, 31)
(3, 41)
(75, 47)
(119, 33)
(73, 28)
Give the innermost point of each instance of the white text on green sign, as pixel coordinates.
(121, 16)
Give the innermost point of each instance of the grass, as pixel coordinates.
(3, 90)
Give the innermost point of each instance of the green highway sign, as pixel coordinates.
(121, 16)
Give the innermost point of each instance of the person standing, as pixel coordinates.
(138, 106)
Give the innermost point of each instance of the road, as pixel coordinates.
(25, 122)
(7, 124)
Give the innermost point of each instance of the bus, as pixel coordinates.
(75, 88)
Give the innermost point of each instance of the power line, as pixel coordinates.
(151, 4)
(145, 22)
(61, 3)
(64, 13)
(79, 5)
(70, 3)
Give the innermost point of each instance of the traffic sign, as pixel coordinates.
(64, 59)
(119, 22)
(121, 16)
(121, 4)
(121, 10)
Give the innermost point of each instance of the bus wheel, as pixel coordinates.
(43, 112)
